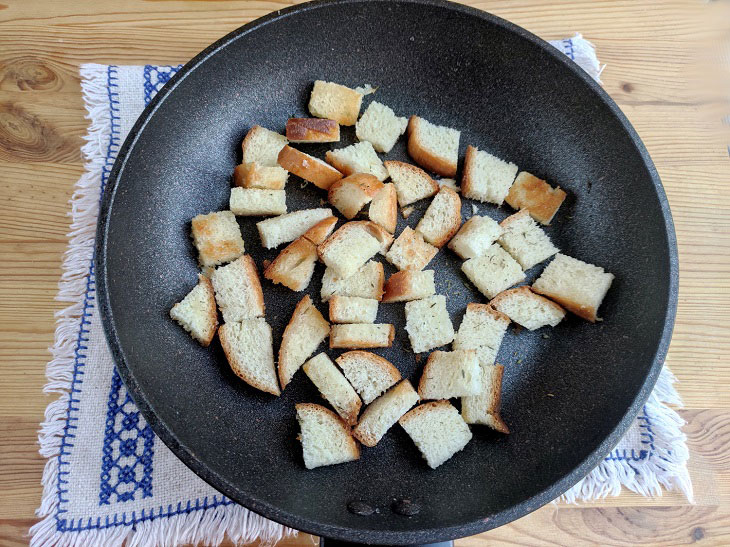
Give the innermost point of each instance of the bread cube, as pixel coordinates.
(411, 183)
(254, 175)
(380, 126)
(335, 102)
(493, 271)
(362, 336)
(535, 195)
(248, 346)
(450, 374)
(353, 309)
(285, 228)
(525, 240)
(384, 412)
(428, 323)
(409, 285)
(325, 438)
(475, 236)
(306, 330)
(576, 285)
(357, 158)
(305, 130)
(484, 409)
(442, 219)
(350, 247)
(321, 231)
(262, 146)
(410, 252)
(384, 208)
(196, 313)
(257, 202)
(294, 265)
(366, 282)
(311, 169)
(433, 147)
(333, 386)
(437, 430)
(217, 238)
(482, 330)
(486, 178)
(528, 309)
(371, 375)
(351, 194)
(238, 290)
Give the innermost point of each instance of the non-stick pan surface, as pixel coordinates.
(569, 392)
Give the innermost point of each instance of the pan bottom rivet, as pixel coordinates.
(360, 508)
(405, 507)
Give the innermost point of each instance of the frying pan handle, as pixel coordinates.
(324, 542)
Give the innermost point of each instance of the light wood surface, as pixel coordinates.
(658, 55)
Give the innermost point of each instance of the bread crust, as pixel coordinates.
(423, 408)
(424, 157)
(354, 448)
(486, 308)
(537, 196)
(385, 366)
(495, 404)
(305, 130)
(321, 231)
(211, 312)
(251, 175)
(301, 249)
(366, 437)
(308, 167)
(337, 341)
(466, 177)
(239, 370)
(399, 286)
(250, 271)
(528, 291)
(386, 213)
(589, 313)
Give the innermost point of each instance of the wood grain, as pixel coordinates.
(660, 72)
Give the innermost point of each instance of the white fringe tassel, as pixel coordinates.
(209, 526)
(667, 467)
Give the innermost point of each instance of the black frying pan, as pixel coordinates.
(510, 93)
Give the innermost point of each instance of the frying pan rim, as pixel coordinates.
(422, 535)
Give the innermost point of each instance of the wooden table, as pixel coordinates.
(656, 54)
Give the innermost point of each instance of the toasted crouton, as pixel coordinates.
(303, 130)
(384, 412)
(321, 231)
(217, 238)
(384, 208)
(371, 375)
(336, 102)
(262, 146)
(493, 271)
(576, 285)
(306, 330)
(334, 387)
(437, 430)
(450, 374)
(410, 251)
(257, 202)
(528, 309)
(442, 218)
(411, 183)
(196, 313)
(248, 348)
(362, 336)
(351, 246)
(482, 329)
(352, 193)
(294, 265)
(450, 183)
(353, 309)
(286, 228)
(366, 282)
(409, 285)
(525, 240)
(484, 408)
(535, 195)
(308, 167)
(433, 147)
(254, 175)
(475, 236)
(380, 126)
(238, 290)
(428, 323)
(325, 438)
(486, 178)
(357, 158)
